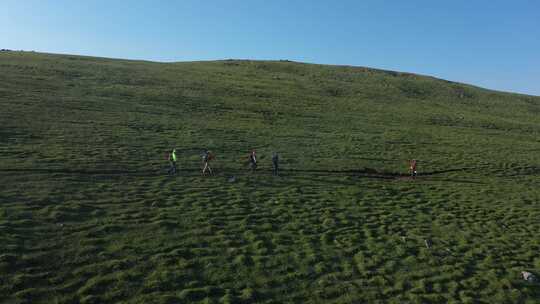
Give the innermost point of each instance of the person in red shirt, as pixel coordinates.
(412, 168)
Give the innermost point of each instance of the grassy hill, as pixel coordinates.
(88, 214)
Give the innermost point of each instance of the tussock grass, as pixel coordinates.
(88, 215)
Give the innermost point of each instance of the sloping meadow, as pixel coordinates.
(88, 213)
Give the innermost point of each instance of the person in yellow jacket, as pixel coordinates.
(172, 161)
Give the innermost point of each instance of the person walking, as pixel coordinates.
(275, 164)
(253, 161)
(207, 157)
(172, 161)
(412, 168)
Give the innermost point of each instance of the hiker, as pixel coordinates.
(412, 168)
(172, 161)
(207, 157)
(253, 161)
(275, 164)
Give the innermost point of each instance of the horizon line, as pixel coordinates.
(268, 60)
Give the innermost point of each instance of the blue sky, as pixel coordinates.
(493, 44)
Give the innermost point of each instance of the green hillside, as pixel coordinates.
(89, 215)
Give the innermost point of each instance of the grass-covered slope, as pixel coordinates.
(88, 215)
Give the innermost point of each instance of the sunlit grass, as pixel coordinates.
(88, 214)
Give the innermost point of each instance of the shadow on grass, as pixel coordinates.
(366, 172)
(81, 171)
(455, 180)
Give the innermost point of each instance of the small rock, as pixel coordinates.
(529, 277)
(232, 179)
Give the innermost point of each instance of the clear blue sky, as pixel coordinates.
(493, 44)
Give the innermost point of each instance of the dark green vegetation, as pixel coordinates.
(87, 214)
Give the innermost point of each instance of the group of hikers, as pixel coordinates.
(208, 156)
